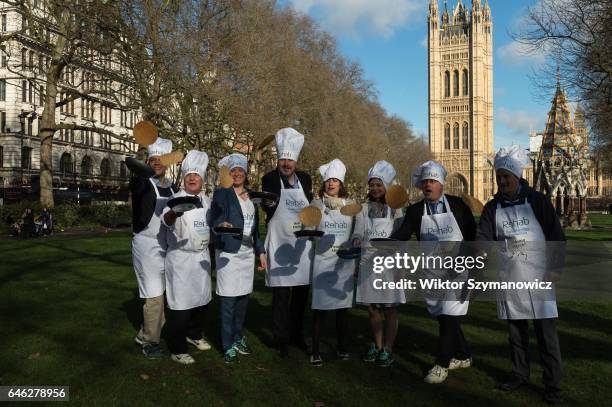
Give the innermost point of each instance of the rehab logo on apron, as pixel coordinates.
(289, 259)
(442, 227)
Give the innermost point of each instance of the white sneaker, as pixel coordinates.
(459, 364)
(183, 358)
(139, 340)
(436, 375)
(201, 344)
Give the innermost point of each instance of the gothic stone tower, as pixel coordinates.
(461, 96)
(561, 165)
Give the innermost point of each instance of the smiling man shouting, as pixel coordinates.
(443, 218)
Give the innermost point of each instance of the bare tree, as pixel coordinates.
(75, 51)
(576, 35)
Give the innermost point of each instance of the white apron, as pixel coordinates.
(235, 271)
(332, 277)
(188, 281)
(289, 258)
(149, 252)
(442, 227)
(517, 225)
(366, 293)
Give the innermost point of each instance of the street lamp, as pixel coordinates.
(22, 117)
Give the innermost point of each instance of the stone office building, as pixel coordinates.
(83, 160)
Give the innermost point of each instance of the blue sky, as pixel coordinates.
(389, 39)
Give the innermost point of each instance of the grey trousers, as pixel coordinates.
(548, 345)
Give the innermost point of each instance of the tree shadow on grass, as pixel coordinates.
(133, 309)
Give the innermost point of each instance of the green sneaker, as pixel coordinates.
(230, 355)
(371, 355)
(241, 346)
(384, 358)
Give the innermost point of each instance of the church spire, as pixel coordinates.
(433, 6)
(445, 14)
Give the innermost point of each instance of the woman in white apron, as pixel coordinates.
(332, 276)
(235, 255)
(377, 220)
(188, 268)
(441, 218)
(149, 197)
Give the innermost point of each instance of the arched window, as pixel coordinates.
(86, 166)
(456, 83)
(446, 84)
(66, 164)
(456, 136)
(122, 169)
(464, 136)
(105, 169)
(447, 136)
(465, 82)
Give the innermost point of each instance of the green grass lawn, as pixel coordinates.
(69, 310)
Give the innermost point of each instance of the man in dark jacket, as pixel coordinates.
(289, 259)
(149, 197)
(441, 217)
(517, 213)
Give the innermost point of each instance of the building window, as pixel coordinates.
(26, 158)
(66, 164)
(86, 165)
(456, 83)
(465, 137)
(2, 89)
(2, 121)
(4, 57)
(4, 28)
(465, 82)
(447, 136)
(30, 125)
(122, 169)
(105, 170)
(456, 136)
(24, 91)
(1, 156)
(24, 56)
(446, 84)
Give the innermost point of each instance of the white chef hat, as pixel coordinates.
(384, 171)
(234, 160)
(512, 158)
(195, 163)
(333, 169)
(428, 170)
(289, 143)
(160, 147)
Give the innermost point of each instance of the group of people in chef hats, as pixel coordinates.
(173, 264)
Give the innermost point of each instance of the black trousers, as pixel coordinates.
(182, 324)
(548, 344)
(288, 308)
(452, 343)
(342, 324)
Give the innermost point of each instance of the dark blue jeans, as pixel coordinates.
(233, 313)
